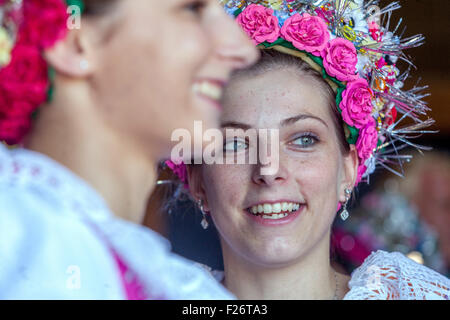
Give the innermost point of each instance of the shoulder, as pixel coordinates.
(163, 272)
(390, 276)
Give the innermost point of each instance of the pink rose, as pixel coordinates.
(356, 103)
(361, 170)
(259, 23)
(340, 59)
(306, 32)
(367, 141)
(180, 171)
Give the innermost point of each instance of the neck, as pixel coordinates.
(311, 277)
(73, 135)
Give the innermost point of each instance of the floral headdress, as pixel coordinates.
(27, 27)
(349, 43)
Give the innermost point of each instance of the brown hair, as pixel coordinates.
(271, 60)
(106, 12)
(98, 7)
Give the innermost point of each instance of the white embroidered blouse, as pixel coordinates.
(392, 276)
(56, 235)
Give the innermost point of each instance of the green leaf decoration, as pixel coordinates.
(51, 87)
(237, 12)
(354, 134)
(79, 3)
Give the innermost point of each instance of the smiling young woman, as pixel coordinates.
(73, 193)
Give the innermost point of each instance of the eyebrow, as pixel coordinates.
(293, 120)
(234, 124)
(285, 122)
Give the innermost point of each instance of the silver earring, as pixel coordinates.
(204, 222)
(344, 213)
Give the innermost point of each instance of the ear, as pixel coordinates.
(73, 56)
(351, 163)
(195, 180)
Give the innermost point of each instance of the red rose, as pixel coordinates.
(45, 22)
(23, 88)
(26, 77)
(27, 65)
(12, 130)
(24, 81)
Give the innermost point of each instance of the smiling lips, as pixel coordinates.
(211, 89)
(274, 211)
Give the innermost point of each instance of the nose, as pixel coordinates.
(234, 46)
(262, 178)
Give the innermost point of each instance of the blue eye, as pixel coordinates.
(305, 141)
(235, 145)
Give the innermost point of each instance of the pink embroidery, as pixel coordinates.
(35, 171)
(132, 286)
(16, 167)
(53, 182)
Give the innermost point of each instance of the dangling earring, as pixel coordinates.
(344, 213)
(204, 222)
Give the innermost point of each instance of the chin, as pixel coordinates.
(271, 255)
(275, 261)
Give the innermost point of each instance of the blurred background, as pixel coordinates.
(410, 215)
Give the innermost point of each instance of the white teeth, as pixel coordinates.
(267, 208)
(275, 216)
(274, 210)
(290, 205)
(260, 208)
(208, 89)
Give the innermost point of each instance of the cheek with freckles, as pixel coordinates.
(226, 187)
(317, 178)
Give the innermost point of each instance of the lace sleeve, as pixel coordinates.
(392, 276)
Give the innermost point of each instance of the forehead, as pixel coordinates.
(267, 99)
